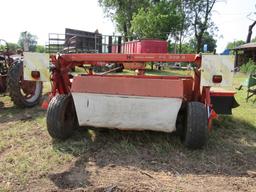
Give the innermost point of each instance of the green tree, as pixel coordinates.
(185, 48)
(158, 21)
(207, 39)
(121, 12)
(185, 25)
(40, 49)
(234, 44)
(13, 47)
(200, 16)
(27, 41)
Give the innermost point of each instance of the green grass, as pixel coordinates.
(148, 71)
(28, 156)
(165, 72)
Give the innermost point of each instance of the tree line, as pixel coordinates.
(175, 20)
(187, 24)
(31, 43)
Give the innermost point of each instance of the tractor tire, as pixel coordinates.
(61, 117)
(23, 93)
(195, 133)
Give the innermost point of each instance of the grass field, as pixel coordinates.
(111, 160)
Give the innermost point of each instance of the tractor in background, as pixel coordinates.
(23, 93)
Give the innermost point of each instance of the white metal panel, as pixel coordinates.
(127, 112)
(36, 62)
(217, 65)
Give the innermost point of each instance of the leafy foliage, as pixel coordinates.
(121, 12)
(206, 39)
(158, 20)
(183, 48)
(232, 45)
(200, 16)
(27, 41)
(190, 47)
(249, 67)
(162, 19)
(13, 46)
(40, 49)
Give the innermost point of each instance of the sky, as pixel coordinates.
(41, 17)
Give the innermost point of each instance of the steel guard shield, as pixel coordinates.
(128, 103)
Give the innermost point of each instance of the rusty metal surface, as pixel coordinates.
(121, 85)
(142, 57)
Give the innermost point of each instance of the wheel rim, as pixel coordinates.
(30, 90)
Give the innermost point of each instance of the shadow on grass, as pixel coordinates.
(164, 72)
(13, 113)
(230, 151)
(10, 112)
(1, 104)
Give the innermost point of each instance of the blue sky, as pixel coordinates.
(45, 16)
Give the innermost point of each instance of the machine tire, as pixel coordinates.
(14, 86)
(61, 117)
(195, 134)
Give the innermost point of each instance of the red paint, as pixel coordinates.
(63, 63)
(206, 98)
(187, 88)
(129, 85)
(114, 49)
(116, 58)
(35, 74)
(217, 78)
(222, 93)
(143, 46)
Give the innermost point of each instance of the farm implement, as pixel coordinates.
(185, 104)
(181, 103)
(23, 93)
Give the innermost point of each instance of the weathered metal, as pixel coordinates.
(5, 63)
(151, 86)
(23, 93)
(140, 102)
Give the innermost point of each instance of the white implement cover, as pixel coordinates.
(217, 65)
(36, 62)
(127, 112)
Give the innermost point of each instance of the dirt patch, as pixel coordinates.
(75, 177)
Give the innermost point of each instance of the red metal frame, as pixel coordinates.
(140, 57)
(63, 63)
(222, 93)
(131, 85)
(176, 86)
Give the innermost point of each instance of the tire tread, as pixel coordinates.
(196, 132)
(13, 87)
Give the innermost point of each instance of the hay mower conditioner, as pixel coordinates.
(185, 104)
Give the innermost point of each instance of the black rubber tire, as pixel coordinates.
(61, 117)
(15, 73)
(195, 134)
